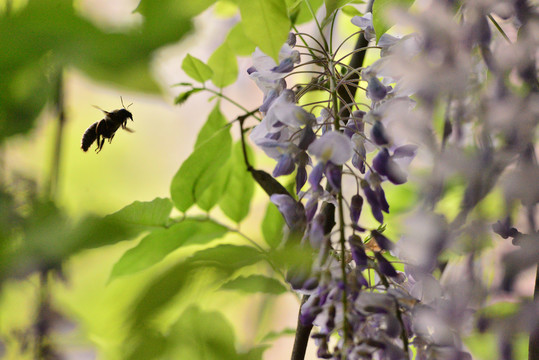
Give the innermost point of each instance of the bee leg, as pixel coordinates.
(110, 139)
(100, 143)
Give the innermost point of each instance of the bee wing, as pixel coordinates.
(97, 107)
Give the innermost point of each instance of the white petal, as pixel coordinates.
(332, 146)
(262, 62)
(363, 21)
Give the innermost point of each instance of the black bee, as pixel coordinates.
(106, 128)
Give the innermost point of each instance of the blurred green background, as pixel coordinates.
(104, 50)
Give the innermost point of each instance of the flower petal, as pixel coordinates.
(332, 146)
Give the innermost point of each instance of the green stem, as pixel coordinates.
(356, 62)
(238, 105)
(331, 32)
(52, 186)
(326, 47)
(342, 239)
(43, 348)
(243, 145)
(311, 51)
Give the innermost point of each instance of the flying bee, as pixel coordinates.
(106, 127)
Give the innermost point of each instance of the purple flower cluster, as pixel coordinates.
(326, 152)
(363, 306)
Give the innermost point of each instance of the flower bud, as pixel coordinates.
(385, 266)
(358, 253)
(301, 178)
(291, 39)
(385, 166)
(334, 175)
(382, 241)
(355, 208)
(376, 91)
(374, 202)
(378, 134)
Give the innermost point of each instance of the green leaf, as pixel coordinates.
(50, 239)
(215, 191)
(93, 232)
(225, 9)
(240, 186)
(266, 23)
(239, 42)
(157, 10)
(380, 18)
(299, 11)
(202, 335)
(197, 172)
(332, 5)
(351, 11)
(145, 344)
(164, 20)
(224, 258)
(158, 294)
(25, 91)
(136, 75)
(273, 335)
(272, 226)
(215, 122)
(224, 65)
(196, 69)
(147, 213)
(227, 257)
(255, 284)
(212, 195)
(293, 255)
(180, 99)
(159, 243)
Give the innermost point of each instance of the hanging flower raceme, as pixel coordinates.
(320, 150)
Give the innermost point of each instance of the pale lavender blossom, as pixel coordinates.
(332, 147)
(365, 23)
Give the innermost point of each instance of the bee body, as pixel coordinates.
(89, 137)
(105, 128)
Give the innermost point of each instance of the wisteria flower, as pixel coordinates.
(365, 23)
(393, 166)
(332, 147)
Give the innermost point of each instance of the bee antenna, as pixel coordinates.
(122, 100)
